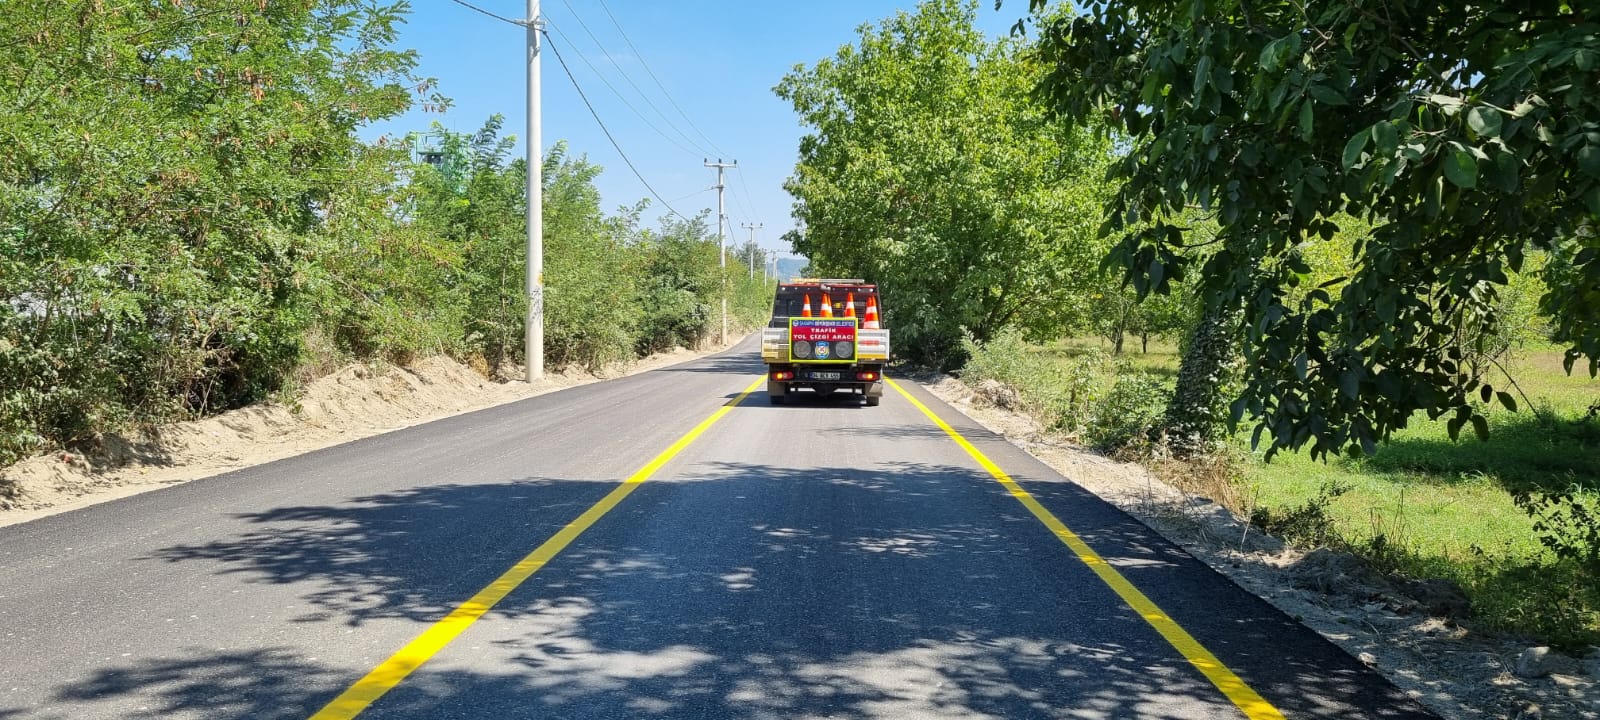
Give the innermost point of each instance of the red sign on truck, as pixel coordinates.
(822, 339)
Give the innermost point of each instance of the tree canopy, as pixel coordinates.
(189, 221)
(1463, 138)
(929, 169)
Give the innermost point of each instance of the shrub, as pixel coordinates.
(1133, 407)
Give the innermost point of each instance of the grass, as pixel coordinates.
(1427, 506)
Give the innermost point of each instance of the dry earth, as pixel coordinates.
(355, 402)
(1393, 627)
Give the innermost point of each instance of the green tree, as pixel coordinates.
(930, 170)
(679, 288)
(1464, 136)
(165, 169)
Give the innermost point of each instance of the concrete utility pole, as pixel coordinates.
(533, 340)
(722, 239)
(753, 250)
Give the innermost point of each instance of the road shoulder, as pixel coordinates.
(1448, 667)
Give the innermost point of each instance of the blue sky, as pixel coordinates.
(718, 61)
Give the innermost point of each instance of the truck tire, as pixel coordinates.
(775, 399)
(872, 400)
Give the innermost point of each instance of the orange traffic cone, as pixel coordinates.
(850, 305)
(805, 310)
(827, 306)
(871, 321)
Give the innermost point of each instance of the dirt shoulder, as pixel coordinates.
(1406, 631)
(355, 402)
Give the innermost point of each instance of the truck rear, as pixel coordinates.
(825, 336)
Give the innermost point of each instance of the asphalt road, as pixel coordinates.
(812, 560)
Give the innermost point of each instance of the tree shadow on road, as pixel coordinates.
(752, 591)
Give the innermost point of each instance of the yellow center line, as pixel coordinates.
(1235, 689)
(389, 673)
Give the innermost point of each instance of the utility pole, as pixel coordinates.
(533, 339)
(722, 239)
(753, 229)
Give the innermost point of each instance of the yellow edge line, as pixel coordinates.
(1242, 695)
(389, 673)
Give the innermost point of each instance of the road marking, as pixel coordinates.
(387, 675)
(1240, 694)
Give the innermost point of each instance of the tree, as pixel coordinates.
(679, 288)
(1464, 136)
(929, 170)
(164, 171)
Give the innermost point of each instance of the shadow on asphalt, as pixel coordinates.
(746, 591)
(729, 362)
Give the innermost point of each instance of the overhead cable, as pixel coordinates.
(628, 79)
(657, 80)
(501, 18)
(605, 130)
(619, 95)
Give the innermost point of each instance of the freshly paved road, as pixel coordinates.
(813, 560)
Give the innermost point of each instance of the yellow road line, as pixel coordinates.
(389, 673)
(1240, 694)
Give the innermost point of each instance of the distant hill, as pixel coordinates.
(791, 268)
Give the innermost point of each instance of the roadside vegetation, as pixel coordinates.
(1422, 506)
(190, 223)
(1342, 266)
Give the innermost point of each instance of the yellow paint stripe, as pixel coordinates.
(388, 674)
(1240, 694)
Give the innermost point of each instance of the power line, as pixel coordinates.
(657, 80)
(604, 129)
(626, 78)
(501, 18)
(746, 187)
(697, 192)
(618, 93)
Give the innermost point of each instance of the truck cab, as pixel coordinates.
(825, 336)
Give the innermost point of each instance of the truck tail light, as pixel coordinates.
(782, 375)
(866, 376)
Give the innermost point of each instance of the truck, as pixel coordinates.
(825, 336)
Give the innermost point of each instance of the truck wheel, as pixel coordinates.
(872, 400)
(775, 399)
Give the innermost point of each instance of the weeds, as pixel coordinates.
(1090, 395)
(1308, 523)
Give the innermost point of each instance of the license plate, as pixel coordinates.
(824, 376)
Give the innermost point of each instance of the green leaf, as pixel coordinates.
(1350, 383)
(1202, 75)
(1485, 392)
(1480, 426)
(1353, 148)
(1307, 117)
(1461, 169)
(1450, 104)
(1327, 95)
(1484, 122)
(1589, 160)
(1385, 137)
(1507, 171)
(1505, 399)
